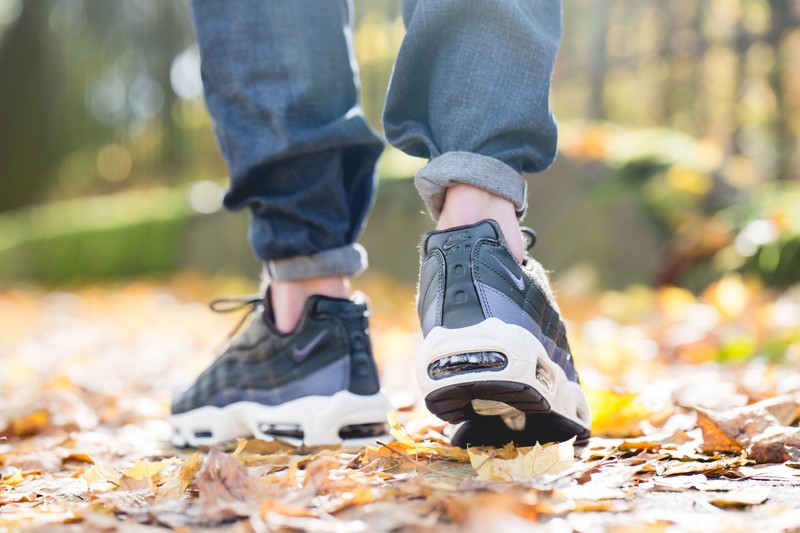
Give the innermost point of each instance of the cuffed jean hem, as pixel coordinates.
(350, 260)
(483, 172)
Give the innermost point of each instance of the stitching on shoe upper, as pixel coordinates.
(477, 277)
(438, 277)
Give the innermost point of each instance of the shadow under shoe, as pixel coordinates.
(317, 385)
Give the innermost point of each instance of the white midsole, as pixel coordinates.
(319, 417)
(522, 349)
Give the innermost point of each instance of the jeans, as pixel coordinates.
(469, 91)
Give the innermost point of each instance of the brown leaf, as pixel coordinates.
(226, 488)
(742, 497)
(721, 467)
(734, 429)
(638, 445)
(714, 437)
(783, 408)
(771, 446)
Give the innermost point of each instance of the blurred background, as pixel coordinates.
(679, 149)
(671, 219)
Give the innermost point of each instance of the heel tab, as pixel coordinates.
(448, 238)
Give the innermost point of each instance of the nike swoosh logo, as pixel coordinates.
(300, 354)
(518, 281)
(454, 239)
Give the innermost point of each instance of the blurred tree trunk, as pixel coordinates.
(781, 22)
(27, 138)
(598, 64)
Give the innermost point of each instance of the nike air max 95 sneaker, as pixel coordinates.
(495, 353)
(317, 385)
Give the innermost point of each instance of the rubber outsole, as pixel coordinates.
(453, 404)
(310, 421)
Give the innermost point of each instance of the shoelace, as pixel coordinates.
(235, 303)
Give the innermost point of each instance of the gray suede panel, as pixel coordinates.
(498, 305)
(326, 381)
(432, 317)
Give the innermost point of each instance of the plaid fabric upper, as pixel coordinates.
(262, 366)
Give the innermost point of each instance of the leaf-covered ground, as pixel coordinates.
(695, 404)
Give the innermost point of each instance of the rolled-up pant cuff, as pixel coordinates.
(349, 260)
(483, 172)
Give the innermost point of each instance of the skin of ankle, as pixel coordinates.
(465, 204)
(288, 297)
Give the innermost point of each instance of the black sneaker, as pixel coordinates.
(495, 348)
(317, 385)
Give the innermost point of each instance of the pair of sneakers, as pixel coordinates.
(494, 360)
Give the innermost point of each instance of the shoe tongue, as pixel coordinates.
(449, 237)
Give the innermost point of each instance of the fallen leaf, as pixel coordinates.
(176, 485)
(714, 438)
(226, 488)
(101, 472)
(783, 408)
(691, 482)
(640, 445)
(14, 478)
(615, 414)
(734, 429)
(529, 463)
(742, 497)
(774, 445)
(720, 467)
(28, 424)
(147, 469)
(398, 432)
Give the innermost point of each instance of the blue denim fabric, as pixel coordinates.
(280, 84)
(469, 91)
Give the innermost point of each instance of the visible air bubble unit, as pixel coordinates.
(544, 375)
(354, 431)
(363, 431)
(282, 430)
(462, 363)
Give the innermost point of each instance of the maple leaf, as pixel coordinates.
(529, 463)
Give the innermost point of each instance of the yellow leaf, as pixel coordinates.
(177, 484)
(102, 472)
(241, 444)
(147, 469)
(13, 479)
(30, 423)
(615, 414)
(398, 432)
(528, 463)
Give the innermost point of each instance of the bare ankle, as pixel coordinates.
(465, 204)
(288, 297)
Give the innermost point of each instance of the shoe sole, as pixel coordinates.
(320, 420)
(530, 383)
